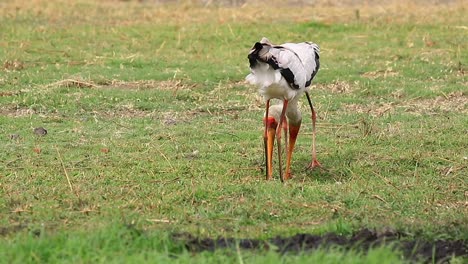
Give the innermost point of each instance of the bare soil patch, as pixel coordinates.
(412, 248)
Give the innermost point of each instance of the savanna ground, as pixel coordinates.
(153, 147)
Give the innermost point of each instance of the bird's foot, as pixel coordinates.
(288, 176)
(314, 164)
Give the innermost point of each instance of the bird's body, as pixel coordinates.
(283, 72)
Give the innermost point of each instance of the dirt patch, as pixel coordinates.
(412, 249)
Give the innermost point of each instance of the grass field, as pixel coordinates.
(152, 131)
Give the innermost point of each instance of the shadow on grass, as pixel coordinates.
(329, 172)
(413, 249)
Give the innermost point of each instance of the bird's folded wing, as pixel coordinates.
(308, 54)
(290, 66)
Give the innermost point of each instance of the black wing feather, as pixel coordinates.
(317, 63)
(289, 77)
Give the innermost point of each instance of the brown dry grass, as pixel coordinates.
(172, 84)
(136, 12)
(337, 86)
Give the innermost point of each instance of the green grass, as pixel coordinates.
(169, 138)
(118, 243)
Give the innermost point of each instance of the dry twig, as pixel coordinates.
(65, 171)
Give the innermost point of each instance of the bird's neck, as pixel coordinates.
(293, 113)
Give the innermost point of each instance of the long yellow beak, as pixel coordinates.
(271, 125)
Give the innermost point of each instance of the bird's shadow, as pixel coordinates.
(333, 169)
(326, 173)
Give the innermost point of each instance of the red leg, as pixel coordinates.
(314, 163)
(278, 137)
(285, 131)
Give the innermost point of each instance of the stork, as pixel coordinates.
(284, 72)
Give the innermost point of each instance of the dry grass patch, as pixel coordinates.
(112, 84)
(172, 85)
(186, 12)
(15, 111)
(127, 111)
(13, 65)
(72, 83)
(380, 74)
(10, 93)
(168, 118)
(337, 86)
(372, 109)
(453, 102)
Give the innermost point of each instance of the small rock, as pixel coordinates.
(105, 150)
(170, 121)
(40, 131)
(15, 137)
(193, 155)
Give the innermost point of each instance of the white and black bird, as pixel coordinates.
(284, 72)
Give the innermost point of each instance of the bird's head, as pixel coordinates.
(275, 112)
(259, 51)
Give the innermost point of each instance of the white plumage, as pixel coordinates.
(284, 72)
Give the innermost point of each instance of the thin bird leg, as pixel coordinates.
(265, 140)
(278, 137)
(285, 131)
(293, 132)
(314, 163)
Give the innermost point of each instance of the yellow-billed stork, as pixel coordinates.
(284, 72)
